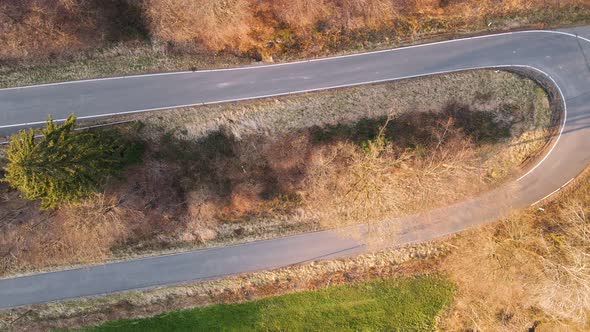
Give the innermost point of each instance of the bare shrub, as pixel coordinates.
(341, 174)
(348, 184)
(404, 169)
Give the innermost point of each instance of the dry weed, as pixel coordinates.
(529, 270)
(214, 24)
(494, 278)
(252, 27)
(566, 292)
(37, 28)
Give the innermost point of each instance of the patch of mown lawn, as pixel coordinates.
(406, 304)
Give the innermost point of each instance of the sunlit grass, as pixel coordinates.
(407, 304)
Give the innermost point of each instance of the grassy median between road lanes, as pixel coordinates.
(260, 169)
(403, 304)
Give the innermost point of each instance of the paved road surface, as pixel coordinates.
(560, 57)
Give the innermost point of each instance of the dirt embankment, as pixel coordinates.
(252, 170)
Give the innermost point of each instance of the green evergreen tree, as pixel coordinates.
(63, 165)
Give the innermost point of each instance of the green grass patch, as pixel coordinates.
(406, 304)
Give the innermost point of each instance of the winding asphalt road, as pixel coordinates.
(560, 57)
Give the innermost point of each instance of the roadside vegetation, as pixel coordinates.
(401, 304)
(231, 173)
(63, 165)
(56, 40)
(527, 271)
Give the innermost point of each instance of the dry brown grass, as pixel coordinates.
(34, 28)
(39, 28)
(530, 269)
(278, 26)
(213, 24)
(492, 288)
(29, 26)
(245, 25)
(146, 206)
